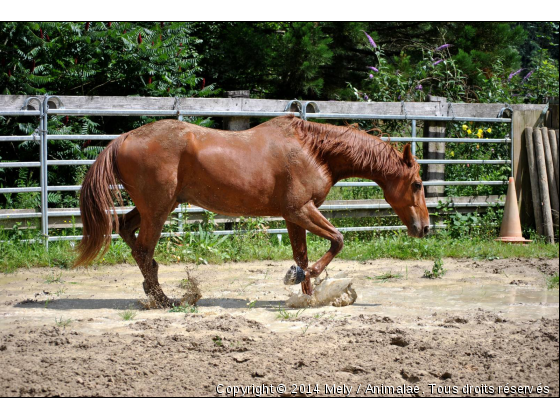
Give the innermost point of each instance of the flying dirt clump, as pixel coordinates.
(192, 291)
(335, 292)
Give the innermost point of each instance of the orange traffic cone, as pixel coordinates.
(511, 223)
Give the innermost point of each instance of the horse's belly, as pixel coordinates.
(232, 205)
(233, 196)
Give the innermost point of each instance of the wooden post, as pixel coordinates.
(237, 123)
(550, 176)
(533, 178)
(521, 173)
(554, 148)
(552, 115)
(543, 186)
(434, 172)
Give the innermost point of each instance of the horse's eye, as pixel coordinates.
(417, 186)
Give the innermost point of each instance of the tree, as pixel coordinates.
(100, 58)
(87, 58)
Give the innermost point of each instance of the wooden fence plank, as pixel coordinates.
(15, 102)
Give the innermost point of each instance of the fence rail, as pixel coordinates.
(52, 105)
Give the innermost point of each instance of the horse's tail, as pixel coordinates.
(99, 189)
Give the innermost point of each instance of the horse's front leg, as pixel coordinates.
(310, 218)
(296, 273)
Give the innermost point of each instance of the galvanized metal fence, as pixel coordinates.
(300, 109)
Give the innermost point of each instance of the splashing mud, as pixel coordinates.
(192, 291)
(335, 292)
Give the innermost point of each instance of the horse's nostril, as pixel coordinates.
(426, 230)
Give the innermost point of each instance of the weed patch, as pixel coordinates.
(128, 315)
(436, 271)
(552, 282)
(185, 308)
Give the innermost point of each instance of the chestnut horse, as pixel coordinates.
(284, 167)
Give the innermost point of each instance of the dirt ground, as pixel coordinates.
(485, 328)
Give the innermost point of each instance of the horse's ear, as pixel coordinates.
(408, 157)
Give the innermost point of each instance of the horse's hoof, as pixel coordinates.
(160, 301)
(295, 275)
(164, 303)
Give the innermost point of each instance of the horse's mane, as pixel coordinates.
(365, 151)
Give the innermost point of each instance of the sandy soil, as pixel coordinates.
(486, 327)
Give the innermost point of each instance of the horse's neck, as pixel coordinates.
(343, 166)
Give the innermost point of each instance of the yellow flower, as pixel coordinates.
(479, 135)
(465, 127)
(469, 132)
(480, 131)
(477, 147)
(452, 154)
(489, 130)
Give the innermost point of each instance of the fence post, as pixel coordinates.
(44, 172)
(550, 176)
(532, 174)
(434, 172)
(521, 172)
(543, 185)
(552, 114)
(237, 123)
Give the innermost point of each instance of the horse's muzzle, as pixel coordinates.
(419, 231)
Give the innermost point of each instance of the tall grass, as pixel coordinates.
(16, 253)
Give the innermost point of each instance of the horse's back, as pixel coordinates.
(232, 172)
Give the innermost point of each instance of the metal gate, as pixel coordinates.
(301, 109)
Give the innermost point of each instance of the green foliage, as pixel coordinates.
(63, 322)
(54, 278)
(198, 246)
(128, 314)
(87, 58)
(388, 276)
(472, 63)
(185, 308)
(274, 59)
(437, 270)
(317, 60)
(303, 50)
(17, 252)
(553, 282)
(97, 58)
(285, 315)
(469, 225)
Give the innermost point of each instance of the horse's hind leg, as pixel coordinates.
(310, 218)
(128, 225)
(143, 252)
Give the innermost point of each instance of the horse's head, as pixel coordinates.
(405, 194)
